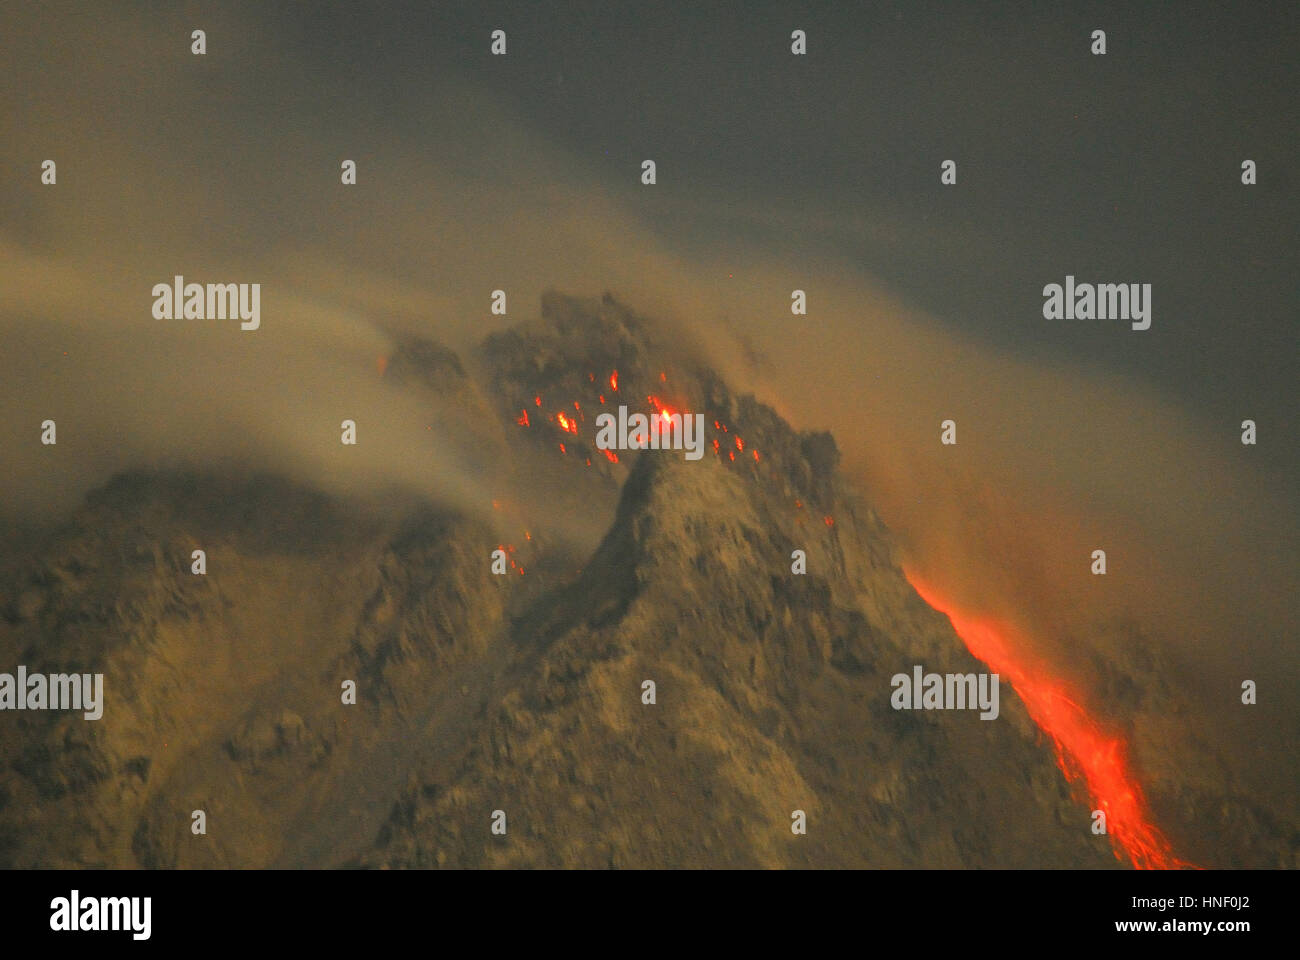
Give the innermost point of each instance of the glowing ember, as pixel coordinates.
(829, 521)
(1083, 748)
(613, 381)
(567, 425)
(522, 419)
(562, 450)
(611, 456)
(756, 456)
(663, 377)
(537, 400)
(740, 445)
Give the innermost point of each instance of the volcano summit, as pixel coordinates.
(486, 702)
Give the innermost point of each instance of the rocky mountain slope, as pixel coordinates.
(521, 693)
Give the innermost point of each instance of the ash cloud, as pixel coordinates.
(172, 164)
(208, 169)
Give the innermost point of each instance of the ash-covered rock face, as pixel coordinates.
(669, 698)
(771, 695)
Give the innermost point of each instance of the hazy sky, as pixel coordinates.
(1121, 168)
(775, 172)
(1117, 168)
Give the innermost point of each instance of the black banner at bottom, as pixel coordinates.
(1220, 909)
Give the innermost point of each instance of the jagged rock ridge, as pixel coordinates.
(480, 693)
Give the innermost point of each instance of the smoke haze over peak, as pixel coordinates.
(923, 306)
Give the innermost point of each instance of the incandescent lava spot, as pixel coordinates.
(1084, 749)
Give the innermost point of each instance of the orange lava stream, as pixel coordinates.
(1083, 748)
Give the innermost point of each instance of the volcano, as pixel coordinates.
(520, 701)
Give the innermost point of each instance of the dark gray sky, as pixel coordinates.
(775, 172)
(1117, 168)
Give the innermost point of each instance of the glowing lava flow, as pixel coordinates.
(1083, 748)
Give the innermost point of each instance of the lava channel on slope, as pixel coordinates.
(1083, 748)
